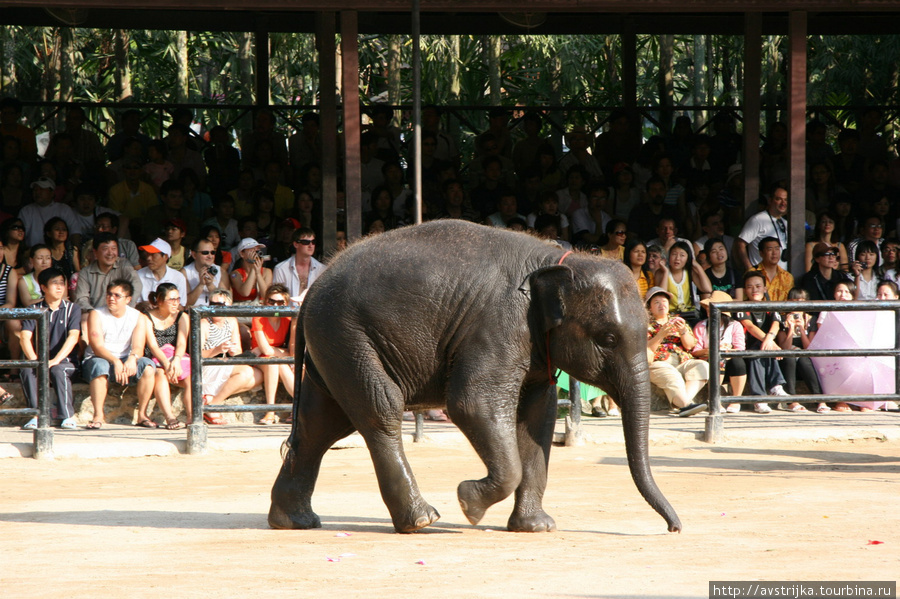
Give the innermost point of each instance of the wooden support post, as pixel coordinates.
(325, 32)
(797, 136)
(350, 95)
(752, 87)
(261, 41)
(629, 71)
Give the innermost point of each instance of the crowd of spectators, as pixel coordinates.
(140, 229)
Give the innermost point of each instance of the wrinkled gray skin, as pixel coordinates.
(457, 315)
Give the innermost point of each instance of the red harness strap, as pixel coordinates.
(549, 365)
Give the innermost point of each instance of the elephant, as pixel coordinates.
(473, 319)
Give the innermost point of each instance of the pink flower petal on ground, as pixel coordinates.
(421, 562)
(876, 542)
(332, 559)
(342, 534)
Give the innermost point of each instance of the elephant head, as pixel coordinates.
(587, 319)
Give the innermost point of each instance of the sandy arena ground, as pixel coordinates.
(195, 527)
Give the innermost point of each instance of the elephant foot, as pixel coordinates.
(278, 518)
(417, 520)
(472, 502)
(536, 522)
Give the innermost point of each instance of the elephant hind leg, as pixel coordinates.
(536, 418)
(320, 423)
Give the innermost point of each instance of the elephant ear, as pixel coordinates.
(547, 287)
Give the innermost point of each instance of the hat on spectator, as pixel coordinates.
(44, 182)
(177, 222)
(733, 171)
(293, 222)
(158, 246)
(716, 296)
(248, 243)
(821, 248)
(654, 291)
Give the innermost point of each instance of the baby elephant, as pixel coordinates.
(472, 319)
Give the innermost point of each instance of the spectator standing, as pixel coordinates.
(65, 330)
(300, 271)
(768, 223)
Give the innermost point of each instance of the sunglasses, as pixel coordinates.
(274, 302)
(306, 241)
(17, 228)
(206, 252)
(830, 254)
(117, 296)
(217, 303)
(620, 232)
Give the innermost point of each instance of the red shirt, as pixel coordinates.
(276, 338)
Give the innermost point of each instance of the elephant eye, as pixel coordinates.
(609, 339)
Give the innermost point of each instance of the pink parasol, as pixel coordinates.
(862, 375)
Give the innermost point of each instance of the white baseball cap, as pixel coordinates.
(157, 247)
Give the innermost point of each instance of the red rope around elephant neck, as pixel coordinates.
(549, 365)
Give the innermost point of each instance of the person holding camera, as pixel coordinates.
(202, 275)
(250, 279)
(158, 271)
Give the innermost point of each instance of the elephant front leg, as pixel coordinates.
(534, 429)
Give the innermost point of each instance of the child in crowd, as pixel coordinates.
(549, 204)
(761, 329)
(799, 329)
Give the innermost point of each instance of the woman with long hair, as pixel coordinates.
(635, 258)
(825, 233)
(212, 234)
(168, 331)
(616, 234)
(271, 338)
(685, 281)
(720, 273)
(15, 252)
(63, 254)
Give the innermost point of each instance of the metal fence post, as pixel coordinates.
(43, 434)
(714, 420)
(196, 428)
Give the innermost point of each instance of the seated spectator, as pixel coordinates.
(823, 233)
(824, 275)
(778, 281)
(720, 274)
(572, 197)
(12, 239)
(64, 255)
(455, 203)
(871, 229)
(224, 221)
(579, 141)
(283, 195)
(167, 334)
(635, 258)
(507, 209)
(675, 193)
(551, 175)
(264, 214)
(761, 329)
(667, 236)
(524, 152)
(301, 270)
(866, 271)
(244, 194)
(517, 224)
(685, 281)
(158, 272)
(133, 196)
(849, 164)
(547, 227)
(29, 290)
(212, 234)
(799, 329)
(173, 233)
(36, 214)
(250, 279)
(202, 275)
(616, 234)
(485, 196)
(844, 291)
(197, 200)
(9, 283)
(645, 218)
(382, 209)
(95, 278)
(158, 168)
(890, 258)
(223, 162)
(271, 338)
(182, 156)
(548, 203)
(220, 337)
(115, 342)
(107, 222)
(130, 131)
(887, 290)
(305, 208)
(713, 225)
(590, 221)
(672, 368)
(64, 331)
(624, 194)
(731, 337)
(171, 207)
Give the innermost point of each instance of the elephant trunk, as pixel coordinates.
(635, 408)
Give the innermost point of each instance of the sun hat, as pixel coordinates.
(653, 291)
(249, 243)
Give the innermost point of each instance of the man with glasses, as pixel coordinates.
(116, 351)
(203, 275)
(93, 279)
(157, 271)
(299, 271)
(768, 223)
(824, 275)
(65, 330)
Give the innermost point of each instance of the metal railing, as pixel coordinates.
(715, 420)
(43, 434)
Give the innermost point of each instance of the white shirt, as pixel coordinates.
(760, 225)
(149, 282)
(286, 274)
(193, 279)
(34, 218)
(117, 332)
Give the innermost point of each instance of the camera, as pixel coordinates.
(212, 270)
(262, 257)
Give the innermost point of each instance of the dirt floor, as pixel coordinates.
(196, 526)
